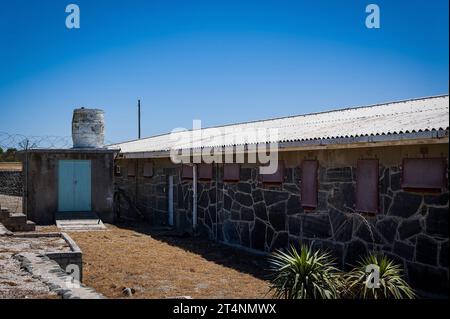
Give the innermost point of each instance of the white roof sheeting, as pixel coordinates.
(410, 116)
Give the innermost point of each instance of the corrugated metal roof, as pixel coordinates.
(410, 116)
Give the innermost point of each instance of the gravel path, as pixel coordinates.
(15, 282)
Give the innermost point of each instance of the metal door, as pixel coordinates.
(74, 185)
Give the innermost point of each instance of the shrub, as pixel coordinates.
(304, 275)
(391, 283)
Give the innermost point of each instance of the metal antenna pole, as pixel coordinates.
(139, 119)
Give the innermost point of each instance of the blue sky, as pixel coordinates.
(218, 61)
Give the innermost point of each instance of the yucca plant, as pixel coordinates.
(303, 275)
(391, 283)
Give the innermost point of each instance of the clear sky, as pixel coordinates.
(220, 61)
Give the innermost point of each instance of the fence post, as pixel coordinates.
(25, 190)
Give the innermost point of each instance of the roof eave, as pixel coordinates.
(432, 137)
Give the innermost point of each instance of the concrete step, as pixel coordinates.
(28, 226)
(15, 219)
(4, 213)
(80, 225)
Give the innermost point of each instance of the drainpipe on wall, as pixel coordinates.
(194, 197)
(217, 199)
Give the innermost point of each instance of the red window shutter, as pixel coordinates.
(309, 184)
(186, 172)
(427, 174)
(367, 186)
(131, 168)
(231, 172)
(148, 170)
(205, 171)
(275, 178)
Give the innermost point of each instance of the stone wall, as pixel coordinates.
(411, 228)
(11, 183)
(148, 195)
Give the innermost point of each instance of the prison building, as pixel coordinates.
(349, 180)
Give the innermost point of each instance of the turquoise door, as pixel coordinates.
(74, 186)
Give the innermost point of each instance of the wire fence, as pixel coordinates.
(12, 181)
(21, 142)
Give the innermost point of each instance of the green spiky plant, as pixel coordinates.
(391, 283)
(303, 275)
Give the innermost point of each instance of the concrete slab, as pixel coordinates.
(79, 221)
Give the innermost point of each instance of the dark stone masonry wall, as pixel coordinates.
(11, 183)
(148, 195)
(411, 228)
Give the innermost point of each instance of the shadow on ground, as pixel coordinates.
(238, 259)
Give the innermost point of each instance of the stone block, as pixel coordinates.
(316, 226)
(426, 250)
(436, 222)
(387, 227)
(428, 278)
(293, 205)
(257, 195)
(271, 197)
(405, 204)
(409, 227)
(403, 250)
(247, 214)
(244, 199)
(437, 200)
(244, 188)
(294, 225)
(260, 210)
(277, 216)
(258, 235)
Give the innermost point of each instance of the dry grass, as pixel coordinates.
(10, 166)
(159, 266)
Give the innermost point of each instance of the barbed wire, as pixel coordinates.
(23, 142)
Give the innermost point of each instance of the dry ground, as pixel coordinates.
(157, 265)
